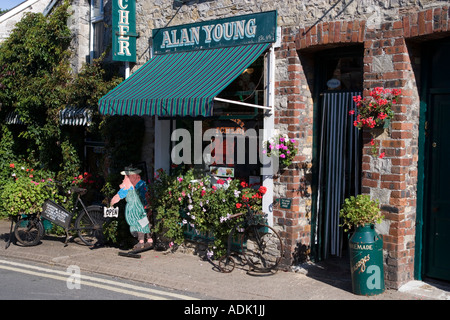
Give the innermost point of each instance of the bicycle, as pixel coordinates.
(260, 245)
(29, 229)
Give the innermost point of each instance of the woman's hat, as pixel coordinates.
(129, 171)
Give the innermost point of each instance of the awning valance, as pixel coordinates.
(75, 116)
(71, 115)
(180, 84)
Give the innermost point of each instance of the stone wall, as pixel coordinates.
(9, 19)
(79, 24)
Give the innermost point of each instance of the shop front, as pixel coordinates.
(210, 88)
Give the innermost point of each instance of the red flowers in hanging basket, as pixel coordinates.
(375, 109)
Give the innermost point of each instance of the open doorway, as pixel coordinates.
(338, 145)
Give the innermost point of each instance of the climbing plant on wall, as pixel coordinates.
(36, 83)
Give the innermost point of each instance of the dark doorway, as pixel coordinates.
(436, 211)
(337, 160)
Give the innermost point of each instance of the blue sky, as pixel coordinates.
(8, 4)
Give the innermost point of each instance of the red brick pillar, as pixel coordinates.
(293, 117)
(393, 178)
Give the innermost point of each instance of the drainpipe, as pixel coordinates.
(127, 69)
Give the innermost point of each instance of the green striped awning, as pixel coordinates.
(180, 84)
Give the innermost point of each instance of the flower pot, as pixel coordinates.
(366, 261)
(384, 124)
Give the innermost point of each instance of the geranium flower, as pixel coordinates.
(262, 190)
(281, 147)
(376, 108)
(382, 116)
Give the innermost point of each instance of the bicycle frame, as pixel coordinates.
(64, 218)
(256, 236)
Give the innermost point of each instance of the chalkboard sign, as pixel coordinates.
(56, 214)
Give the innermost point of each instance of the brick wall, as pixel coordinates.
(294, 117)
(393, 179)
(389, 62)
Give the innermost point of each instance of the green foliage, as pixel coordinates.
(359, 210)
(180, 199)
(123, 136)
(24, 196)
(91, 84)
(25, 190)
(36, 83)
(34, 65)
(34, 73)
(6, 154)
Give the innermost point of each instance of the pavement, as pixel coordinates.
(187, 271)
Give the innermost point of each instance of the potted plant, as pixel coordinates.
(282, 147)
(360, 213)
(376, 109)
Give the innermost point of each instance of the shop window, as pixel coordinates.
(248, 88)
(234, 154)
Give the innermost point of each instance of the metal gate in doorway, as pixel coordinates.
(338, 170)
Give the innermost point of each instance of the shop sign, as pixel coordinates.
(233, 31)
(333, 83)
(124, 30)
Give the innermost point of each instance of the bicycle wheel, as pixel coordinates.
(29, 231)
(263, 248)
(90, 226)
(226, 264)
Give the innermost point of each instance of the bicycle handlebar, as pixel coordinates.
(79, 190)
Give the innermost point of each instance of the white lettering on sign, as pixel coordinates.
(358, 246)
(110, 212)
(124, 27)
(213, 32)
